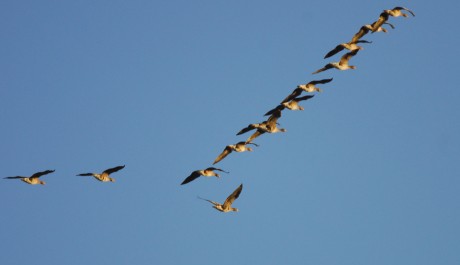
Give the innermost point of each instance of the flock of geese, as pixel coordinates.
(270, 125)
(291, 102)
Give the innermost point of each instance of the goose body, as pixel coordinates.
(208, 172)
(341, 65)
(238, 147)
(271, 126)
(293, 104)
(104, 176)
(227, 205)
(349, 46)
(309, 88)
(34, 179)
(397, 12)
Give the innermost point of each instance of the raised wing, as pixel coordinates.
(345, 58)
(222, 155)
(303, 98)
(247, 129)
(270, 112)
(322, 81)
(254, 136)
(362, 31)
(334, 51)
(39, 174)
(230, 199)
(195, 174)
(114, 169)
(382, 19)
(294, 94)
(403, 8)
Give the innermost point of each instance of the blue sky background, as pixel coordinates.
(367, 174)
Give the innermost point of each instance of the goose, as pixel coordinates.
(291, 105)
(209, 172)
(349, 46)
(309, 87)
(34, 179)
(238, 147)
(342, 65)
(369, 27)
(269, 128)
(397, 12)
(227, 205)
(104, 176)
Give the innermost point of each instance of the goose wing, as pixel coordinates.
(389, 24)
(307, 97)
(322, 81)
(382, 19)
(15, 177)
(270, 112)
(294, 94)
(250, 127)
(403, 8)
(218, 169)
(114, 169)
(271, 122)
(362, 31)
(230, 199)
(86, 174)
(326, 67)
(222, 155)
(195, 174)
(39, 174)
(213, 202)
(254, 136)
(345, 58)
(334, 51)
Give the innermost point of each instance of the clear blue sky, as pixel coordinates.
(367, 174)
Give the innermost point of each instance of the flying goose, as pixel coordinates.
(342, 65)
(291, 105)
(309, 87)
(370, 27)
(104, 176)
(227, 205)
(397, 12)
(349, 46)
(269, 128)
(33, 180)
(238, 147)
(209, 172)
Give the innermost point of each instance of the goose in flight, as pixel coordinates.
(293, 104)
(342, 65)
(209, 172)
(104, 176)
(370, 27)
(34, 179)
(270, 126)
(238, 147)
(349, 46)
(227, 205)
(397, 12)
(309, 87)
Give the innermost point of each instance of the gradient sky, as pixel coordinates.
(367, 174)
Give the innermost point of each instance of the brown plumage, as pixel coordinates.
(33, 180)
(209, 172)
(227, 205)
(104, 176)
